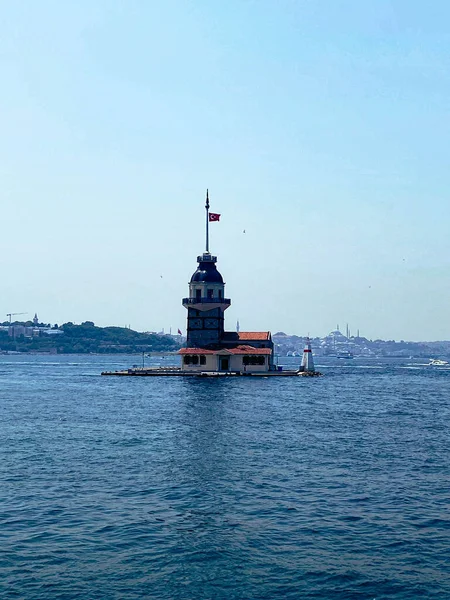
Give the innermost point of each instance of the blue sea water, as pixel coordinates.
(335, 487)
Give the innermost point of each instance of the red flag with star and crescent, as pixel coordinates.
(214, 217)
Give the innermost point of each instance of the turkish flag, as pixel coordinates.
(179, 332)
(214, 217)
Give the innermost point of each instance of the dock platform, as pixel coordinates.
(177, 372)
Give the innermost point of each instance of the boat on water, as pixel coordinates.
(344, 354)
(436, 362)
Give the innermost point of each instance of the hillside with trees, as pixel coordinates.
(85, 338)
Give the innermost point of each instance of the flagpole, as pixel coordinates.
(207, 222)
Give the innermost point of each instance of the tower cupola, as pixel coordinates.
(207, 271)
(206, 283)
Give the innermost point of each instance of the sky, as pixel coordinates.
(321, 129)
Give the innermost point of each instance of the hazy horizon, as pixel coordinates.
(320, 130)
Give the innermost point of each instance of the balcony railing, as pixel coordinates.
(206, 301)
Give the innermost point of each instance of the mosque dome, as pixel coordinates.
(336, 334)
(206, 273)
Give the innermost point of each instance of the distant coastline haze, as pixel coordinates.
(320, 129)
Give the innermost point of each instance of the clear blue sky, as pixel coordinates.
(320, 127)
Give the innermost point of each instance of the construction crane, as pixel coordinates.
(13, 315)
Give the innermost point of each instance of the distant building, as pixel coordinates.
(15, 331)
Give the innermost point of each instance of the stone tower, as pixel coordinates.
(206, 303)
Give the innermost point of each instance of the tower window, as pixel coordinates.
(210, 293)
(203, 359)
(220, 293)
(198, 294)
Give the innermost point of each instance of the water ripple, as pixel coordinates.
(172, 489)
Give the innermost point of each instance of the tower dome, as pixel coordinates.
(206, 271)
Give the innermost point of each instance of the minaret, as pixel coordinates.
(237, 326)
(35, 320)
(307, 359)
(206, 303)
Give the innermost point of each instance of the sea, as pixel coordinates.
(336, 487)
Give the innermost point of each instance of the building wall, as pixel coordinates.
(212, 363)
(199, 331)
(236, 364)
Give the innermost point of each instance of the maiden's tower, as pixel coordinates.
(210, 350)
(209, 346)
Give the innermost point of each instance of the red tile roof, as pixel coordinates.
(238, 350)
(254, 335)
(249, 350)
(196, 351)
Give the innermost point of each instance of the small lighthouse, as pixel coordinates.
(307, 359)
